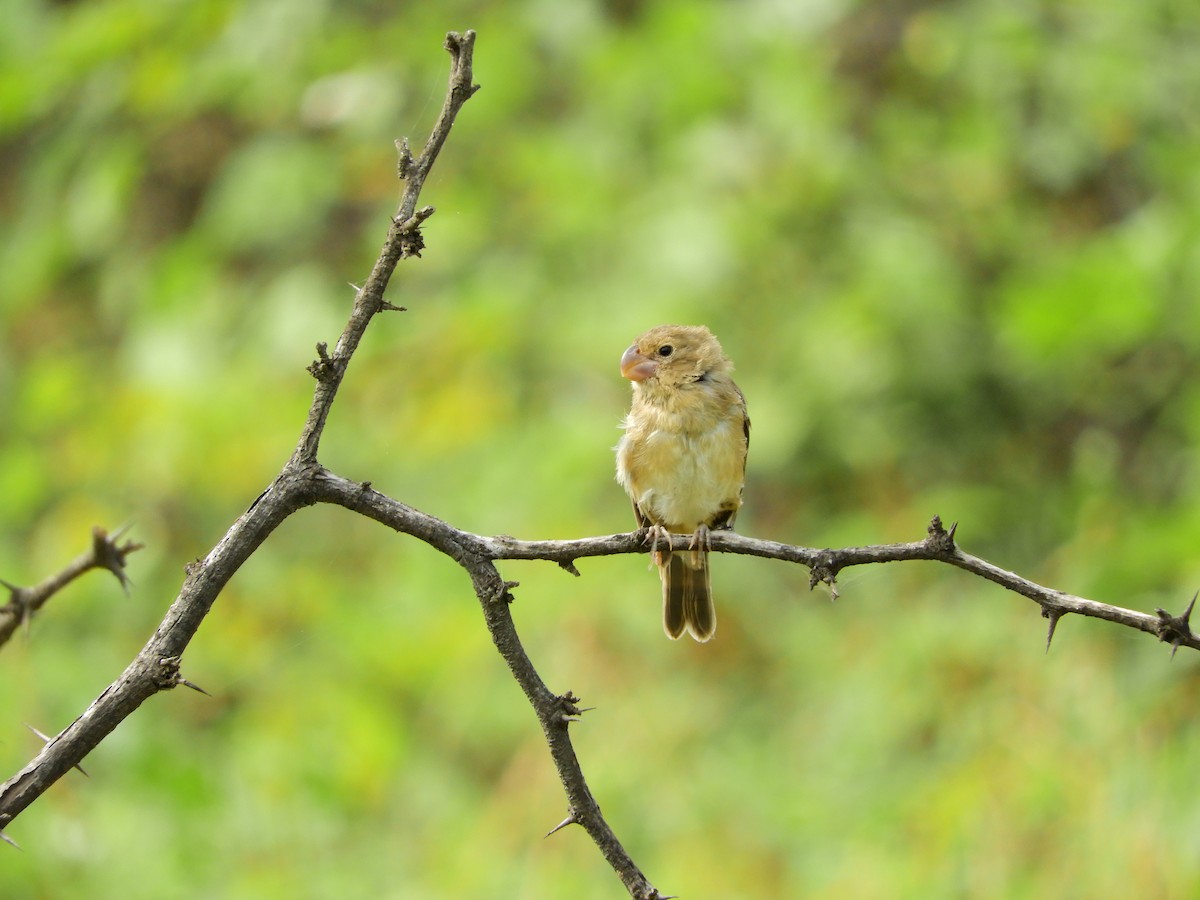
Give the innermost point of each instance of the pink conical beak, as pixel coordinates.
(636, 367)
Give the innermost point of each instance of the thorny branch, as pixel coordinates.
(157, 665)
(304, 482)
(104, 553)
(824, 564)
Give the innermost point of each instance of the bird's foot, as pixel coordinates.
(655, 535)
(699, 544)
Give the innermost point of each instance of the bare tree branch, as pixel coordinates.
(104, 553)
(824, 565)
(555, 712)
(303, 482)
(156, 667)
(403, 240)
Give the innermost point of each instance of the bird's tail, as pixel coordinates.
(687, 601)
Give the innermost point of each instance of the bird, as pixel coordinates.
(682, 460)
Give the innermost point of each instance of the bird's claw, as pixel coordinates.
(654, 535)
(699, 544)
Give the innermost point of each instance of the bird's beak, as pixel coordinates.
(636, 367)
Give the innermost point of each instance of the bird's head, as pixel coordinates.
(672, 355)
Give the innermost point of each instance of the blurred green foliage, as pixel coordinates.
(952, 248)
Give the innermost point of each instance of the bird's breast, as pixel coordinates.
(682, 473)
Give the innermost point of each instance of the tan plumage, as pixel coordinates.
(683, 459)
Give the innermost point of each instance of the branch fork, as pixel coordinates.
(304, 482)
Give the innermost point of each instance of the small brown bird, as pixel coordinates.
(683, 460)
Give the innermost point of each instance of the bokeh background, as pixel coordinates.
(953, 250)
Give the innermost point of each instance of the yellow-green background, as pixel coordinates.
(953, 250)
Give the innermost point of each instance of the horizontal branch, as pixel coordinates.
(824, 564)
(303, 482)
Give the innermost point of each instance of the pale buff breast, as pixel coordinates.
(679, 476)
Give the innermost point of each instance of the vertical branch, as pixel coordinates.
(157, 665)
(556, 713)
(403, 240)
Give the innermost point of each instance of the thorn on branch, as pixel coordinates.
(192, 685)
(569, 710)
(110, 556)
(1053, 615)
(939, 538)
(504, 592)
(824, 571)
(412, 242)
(385, 306)
(322, 368)
(571, 819)
(4, 837)
(46, 739)
(104, 552)
(569, 566)
(166, 676)
(1175, 629)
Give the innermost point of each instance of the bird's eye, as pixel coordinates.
(666, 350)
